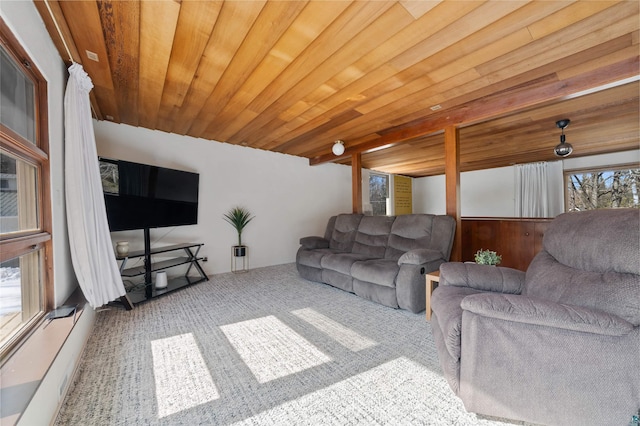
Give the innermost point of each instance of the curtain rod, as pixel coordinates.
(59, 32)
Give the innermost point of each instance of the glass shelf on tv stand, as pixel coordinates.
(148, 291)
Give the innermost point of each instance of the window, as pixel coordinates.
(378, 193)
(602, 188)
(26, 285)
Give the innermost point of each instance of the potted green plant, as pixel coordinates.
(487, 257)
(239, 217)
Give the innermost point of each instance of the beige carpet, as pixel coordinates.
(262, 348)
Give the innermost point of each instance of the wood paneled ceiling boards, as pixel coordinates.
(294, 76)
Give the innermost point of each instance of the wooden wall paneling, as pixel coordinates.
(539, 229)
(479, 235)
(516, 240)
(516, 243)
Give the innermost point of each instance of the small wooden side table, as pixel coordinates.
(431, 281)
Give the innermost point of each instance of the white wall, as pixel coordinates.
(491, 192)
(594, 161)
(482, 193)
(289, 198)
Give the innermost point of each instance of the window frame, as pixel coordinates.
(387, 176)
(37, 154)
(568, 172)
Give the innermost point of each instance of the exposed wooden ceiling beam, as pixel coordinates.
(489, 107)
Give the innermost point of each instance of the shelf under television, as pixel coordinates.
(146, 290)
(173, 284)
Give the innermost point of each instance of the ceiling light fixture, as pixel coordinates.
(338, 147)
(563, 149)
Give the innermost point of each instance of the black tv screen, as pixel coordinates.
(139, 196)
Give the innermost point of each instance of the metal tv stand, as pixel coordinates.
(188, 256)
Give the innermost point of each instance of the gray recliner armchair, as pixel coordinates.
(557, 345)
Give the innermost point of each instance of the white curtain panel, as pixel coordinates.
(539, 189)
(92, 253)
(531, 190)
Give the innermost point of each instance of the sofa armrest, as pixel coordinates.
(314, 242)
(419, 256)
(529, 310)
(482, 277)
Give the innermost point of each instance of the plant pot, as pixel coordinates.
(239, 259)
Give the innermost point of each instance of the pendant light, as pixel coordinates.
(563, 149)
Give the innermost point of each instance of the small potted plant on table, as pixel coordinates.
(487, 257)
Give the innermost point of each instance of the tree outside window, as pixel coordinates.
(603, 188)
(378, 193)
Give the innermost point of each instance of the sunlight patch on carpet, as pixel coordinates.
(341, 334)
(182, 378)
(398, 392)
(271, 349)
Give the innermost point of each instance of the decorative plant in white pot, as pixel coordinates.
(487, 257)
(239, 217)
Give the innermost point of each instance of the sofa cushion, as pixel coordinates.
(312, 257)
(341, 262)
(337, 279)
(378, 271)
(344, 232)
(376, 293)
(603, 240)
(612, 292)
(373, 235)
(411, 231)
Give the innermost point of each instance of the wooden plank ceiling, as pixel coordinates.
(293, 76)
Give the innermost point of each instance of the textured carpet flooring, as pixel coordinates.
(262, 348)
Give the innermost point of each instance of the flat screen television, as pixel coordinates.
(141, 196)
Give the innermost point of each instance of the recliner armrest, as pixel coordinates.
(482, 277)
(314, 242)
(419, 256)
(528, 310)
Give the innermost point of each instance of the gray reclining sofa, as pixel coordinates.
(557, 345)
(380, 258)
